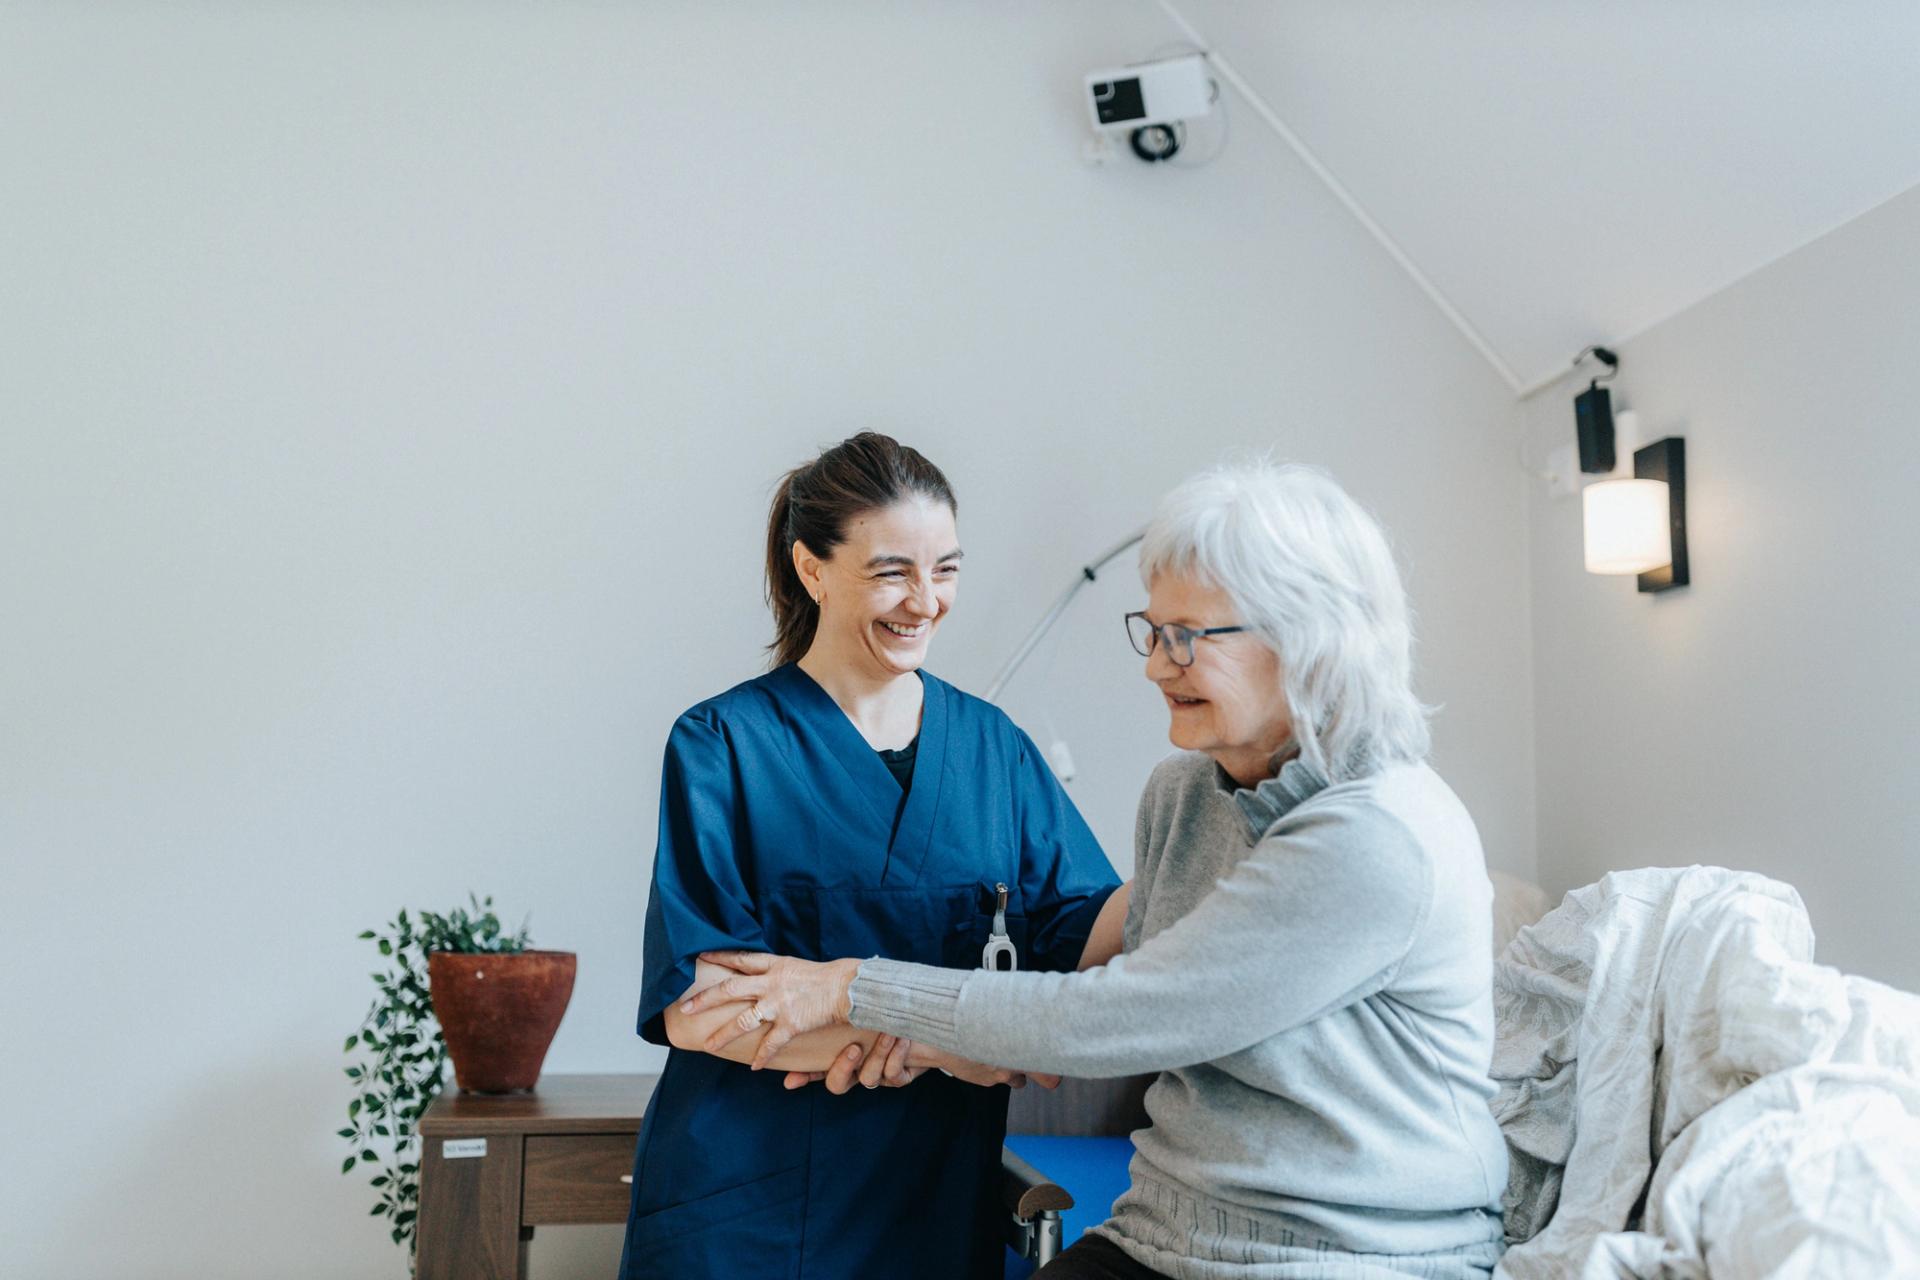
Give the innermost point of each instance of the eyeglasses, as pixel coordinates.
(1178, 639)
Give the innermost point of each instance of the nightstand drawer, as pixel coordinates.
(577, 1178)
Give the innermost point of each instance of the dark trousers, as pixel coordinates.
(1095, 1258)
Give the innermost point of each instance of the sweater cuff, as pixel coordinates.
(914, 1001)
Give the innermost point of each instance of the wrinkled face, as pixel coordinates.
(887, 587)
(1231, 703)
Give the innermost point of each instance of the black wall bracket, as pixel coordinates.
(1667, 460)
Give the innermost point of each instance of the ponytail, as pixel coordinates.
(795, 616)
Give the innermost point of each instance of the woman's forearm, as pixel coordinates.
(1293, 932)
(1036, 1021)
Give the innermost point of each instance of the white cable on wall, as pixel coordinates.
(1346, 198)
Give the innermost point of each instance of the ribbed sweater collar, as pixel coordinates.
(1271, 799)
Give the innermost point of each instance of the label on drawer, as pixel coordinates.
(463, 1148)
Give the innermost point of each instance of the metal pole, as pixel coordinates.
(1088, 573)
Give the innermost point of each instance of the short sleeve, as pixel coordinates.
(699, 900)
(1065, 877)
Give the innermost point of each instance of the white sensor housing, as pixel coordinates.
(1150, 93)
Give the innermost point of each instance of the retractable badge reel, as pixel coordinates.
(999, 955)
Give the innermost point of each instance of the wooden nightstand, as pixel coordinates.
(494, 1168)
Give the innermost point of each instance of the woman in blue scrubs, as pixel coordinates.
(846, 803)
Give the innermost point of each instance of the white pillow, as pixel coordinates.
(1517, 903)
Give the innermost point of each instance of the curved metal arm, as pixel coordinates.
(1088, 573)
(1605, 357)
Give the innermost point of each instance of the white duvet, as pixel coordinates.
(1686, 1094)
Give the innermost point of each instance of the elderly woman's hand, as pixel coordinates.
(787, 996)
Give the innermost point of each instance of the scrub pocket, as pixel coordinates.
(946, 926)
(969, 940)
(749, 1230)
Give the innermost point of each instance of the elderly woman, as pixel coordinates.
(1306, 956)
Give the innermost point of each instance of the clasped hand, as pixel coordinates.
(790, 997)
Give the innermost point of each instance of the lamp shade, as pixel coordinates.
(1627, 526)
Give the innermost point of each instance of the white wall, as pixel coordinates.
(391, 398)
(1763, 717)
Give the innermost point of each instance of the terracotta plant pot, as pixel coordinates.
(498, 1013)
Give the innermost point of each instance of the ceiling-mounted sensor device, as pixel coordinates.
(1149, 93)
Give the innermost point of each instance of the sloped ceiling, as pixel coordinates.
(1572, 173)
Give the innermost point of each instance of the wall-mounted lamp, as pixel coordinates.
(1637, 525)
(1626, 526)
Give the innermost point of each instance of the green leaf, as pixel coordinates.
(346, 1165)
(376, 1211)
(346, 1133)
(348, 1046)
(380, 1181)
(353, 1108)
(405, 1216)
(369, 1157)
(366, 933)
(386, 948)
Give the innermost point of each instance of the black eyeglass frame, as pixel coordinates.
(1165, 633)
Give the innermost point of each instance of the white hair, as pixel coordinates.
(1311, 574)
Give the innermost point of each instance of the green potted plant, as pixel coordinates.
(458, 987)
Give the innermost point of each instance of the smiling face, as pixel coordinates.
(887, 587)
(1231, 703)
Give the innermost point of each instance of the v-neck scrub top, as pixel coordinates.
(782, 830)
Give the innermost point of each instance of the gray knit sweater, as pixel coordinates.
(1308, 967)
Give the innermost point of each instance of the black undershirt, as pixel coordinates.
(900, 763)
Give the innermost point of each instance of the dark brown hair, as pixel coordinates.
(813, 504)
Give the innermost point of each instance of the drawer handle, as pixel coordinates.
(627, 1178)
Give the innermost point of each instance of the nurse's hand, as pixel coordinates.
(979, 1073)
(788, 997)
(899, 1062)
(886, 1064)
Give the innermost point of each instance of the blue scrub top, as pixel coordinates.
(781, 830)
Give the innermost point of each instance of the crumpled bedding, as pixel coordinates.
(1686, 1094)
